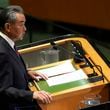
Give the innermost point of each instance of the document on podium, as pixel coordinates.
(62, 68)
(63, 73)
(66, 78)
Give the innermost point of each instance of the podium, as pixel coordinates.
(103, 106)
(68, 96)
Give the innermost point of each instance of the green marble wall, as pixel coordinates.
(4, 3)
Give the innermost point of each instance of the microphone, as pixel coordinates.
(56, 47)
(80, 53)
(77, 47)
(77, 53)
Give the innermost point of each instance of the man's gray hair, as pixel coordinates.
(9, 14)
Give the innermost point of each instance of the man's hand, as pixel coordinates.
(37, 76)
(42, 96)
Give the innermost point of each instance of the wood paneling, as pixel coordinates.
(94, 13)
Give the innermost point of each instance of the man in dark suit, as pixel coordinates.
(14, 91)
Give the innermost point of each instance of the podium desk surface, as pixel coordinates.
(77, 89)
(72, 86)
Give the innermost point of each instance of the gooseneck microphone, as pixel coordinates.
(79, 55)
(56, 47)
(77, 47)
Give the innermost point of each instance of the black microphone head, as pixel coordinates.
(53, 45)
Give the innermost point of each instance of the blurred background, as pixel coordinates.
(53, 18)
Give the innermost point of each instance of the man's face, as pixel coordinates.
(16, 30)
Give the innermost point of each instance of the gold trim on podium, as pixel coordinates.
(69, 99)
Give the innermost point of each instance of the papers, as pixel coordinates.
(58, 69)
(62, 73)
(65, 78)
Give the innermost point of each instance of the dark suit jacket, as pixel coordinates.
(13, 77)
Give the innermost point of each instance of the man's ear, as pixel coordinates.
(7, 27)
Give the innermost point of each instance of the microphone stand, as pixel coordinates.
(78, 54)
(77, 47)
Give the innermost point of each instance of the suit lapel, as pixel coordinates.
(13, 54)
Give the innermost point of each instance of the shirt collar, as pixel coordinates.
(11, 43)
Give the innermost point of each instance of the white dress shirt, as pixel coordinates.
(10, 42)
